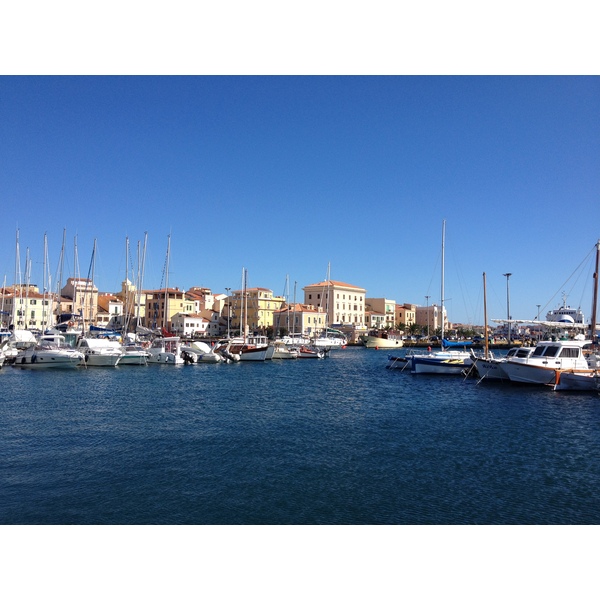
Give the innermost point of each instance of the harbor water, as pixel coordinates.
(336, 441)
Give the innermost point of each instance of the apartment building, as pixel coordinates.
(162, 305)
(81, 297)
(23, 307)
(343, 303)
(298, 318)
(430, 318)
(381, 306)
(255, 309)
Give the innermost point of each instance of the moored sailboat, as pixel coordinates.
(443, 362)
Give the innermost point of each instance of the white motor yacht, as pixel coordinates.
(548, 359)
(100, 352)
(50, 351)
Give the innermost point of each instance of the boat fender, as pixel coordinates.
(33, 358)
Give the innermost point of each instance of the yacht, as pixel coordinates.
(100, 352)
(50, 351)
(547, 360)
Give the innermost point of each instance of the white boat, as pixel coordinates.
(197, 352)
(566, 314)
(165, 351)
(50, 352)
(490, 368)
(295, 340)
(307, 352)
(547, 360)
(443, 362)
(587, 381)
(284, 352)
(18, 340)
(332, 338)
(134, 354)
(383, 340)
(100, 352)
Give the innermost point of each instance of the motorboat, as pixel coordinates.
(252, 348)
(166, 351)
(283, 352)
(50, 351)
(383, 340)
(490, 368)
(15, 342)
(442, 362)
(578, 381)
(548, 359)
(134, 354)
(308, 352)
(197, 352)
(332, 338)
(100, 352)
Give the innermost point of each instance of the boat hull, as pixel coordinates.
(578, 382)
(134, 359)
(533, 374)
(49, 360)
(491, 369)
(371, 341)
(441, 363)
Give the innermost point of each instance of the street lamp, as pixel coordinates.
(507, 275)
(228, 309)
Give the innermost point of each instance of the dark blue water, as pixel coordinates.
(335, 441)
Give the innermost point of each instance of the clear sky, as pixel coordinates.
(285, 175)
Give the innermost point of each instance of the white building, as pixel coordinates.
(343, 303)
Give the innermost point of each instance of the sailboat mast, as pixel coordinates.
(140, 281)
(167, 282)
(485, 319)
(443, 274)
(595, 301)
(61, 263)
(45, 283)
(294, 311)
(245, 303)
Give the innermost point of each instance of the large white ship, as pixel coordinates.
(565, 314)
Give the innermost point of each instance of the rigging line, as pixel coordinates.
(579, 266)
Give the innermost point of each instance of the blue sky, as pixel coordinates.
(285, 175)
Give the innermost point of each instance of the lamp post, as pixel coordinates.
(427, 300)
(507, 275)
(228, 309)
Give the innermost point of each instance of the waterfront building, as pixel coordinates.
(163, 305)
(202, 297)
(430, 318)
(406, 315)
(259, 304)
(110, 311)
(298, 318)
(189, 325)
(374, 320)
(134, 301)
(383, 306)
(24, 307)
(343, 303)
(82, 299)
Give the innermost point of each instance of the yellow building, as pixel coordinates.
(303, 319)
(163, 305)
(255, 309)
